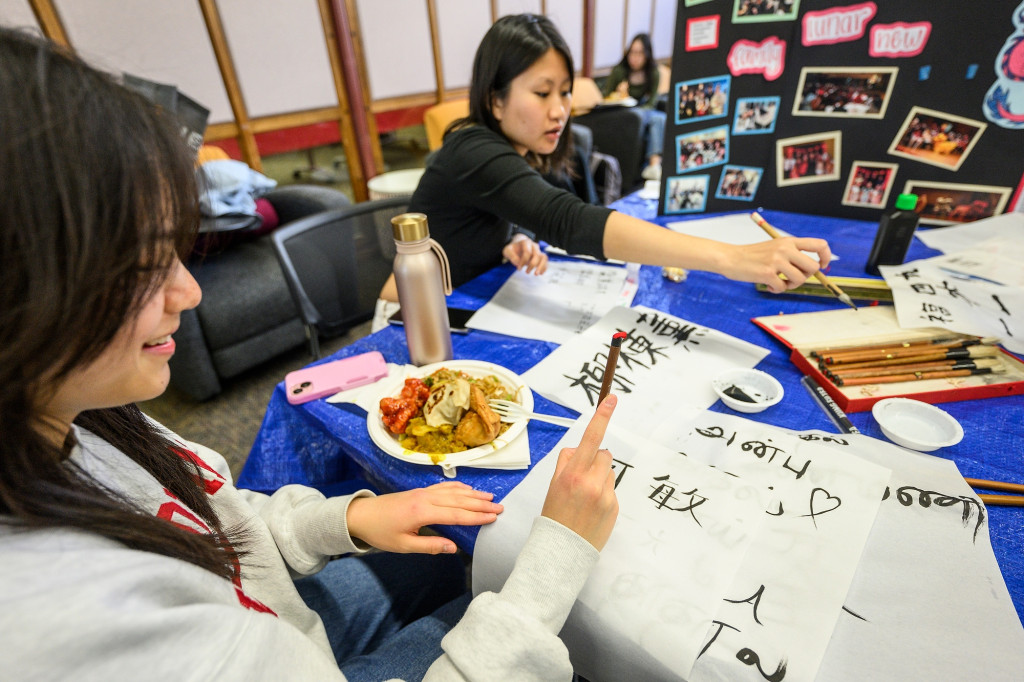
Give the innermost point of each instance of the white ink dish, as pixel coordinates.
(747, 390)
(916, 425)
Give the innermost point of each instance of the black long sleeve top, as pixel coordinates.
(477, 187)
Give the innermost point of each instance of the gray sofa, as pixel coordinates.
(247, 315)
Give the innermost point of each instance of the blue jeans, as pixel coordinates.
(385, 614)
(654, 131)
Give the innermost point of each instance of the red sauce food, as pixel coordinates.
(396, 412)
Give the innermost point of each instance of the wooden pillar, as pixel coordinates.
(347, 125)
(357, 85)
(218, 39)
(435, 43)
(588, 38)
(50, 22)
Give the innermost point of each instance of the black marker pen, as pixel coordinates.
(824, 400)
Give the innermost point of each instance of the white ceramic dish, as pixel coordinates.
(763, 389)
(387, 441)
(916, 425)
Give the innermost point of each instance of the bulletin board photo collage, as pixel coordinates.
(814, 107)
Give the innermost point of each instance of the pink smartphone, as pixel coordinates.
(311, 383)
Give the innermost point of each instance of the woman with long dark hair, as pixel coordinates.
(637, 76)
(485, 198)
(125, 551)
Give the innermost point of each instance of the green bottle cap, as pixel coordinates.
(906, 202)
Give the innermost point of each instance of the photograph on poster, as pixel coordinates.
(936, 138)
(844, 92)
(869, 184)
(702, 149)
(947, 203)
(749, 11)
(703, 98)
(755, 115)
(808, 158)
(687, 194)
(739, 183)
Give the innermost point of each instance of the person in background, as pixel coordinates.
(637, 76)
(126, 551)
(486, 178)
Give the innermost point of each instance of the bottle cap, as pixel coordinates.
(906, 202)
(410, 227)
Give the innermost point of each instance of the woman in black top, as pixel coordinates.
(483, 190)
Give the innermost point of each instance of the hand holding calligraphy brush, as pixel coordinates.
(818, 275)
(609, 368)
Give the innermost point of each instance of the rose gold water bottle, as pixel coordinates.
(423, 279)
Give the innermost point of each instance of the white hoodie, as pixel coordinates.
(74, 605)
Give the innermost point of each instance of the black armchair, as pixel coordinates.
(619, 132)
(336, 262)
(247, 315)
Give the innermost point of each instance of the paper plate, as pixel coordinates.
(916, 425)
(387, 441)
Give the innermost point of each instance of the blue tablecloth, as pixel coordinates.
(321, 444)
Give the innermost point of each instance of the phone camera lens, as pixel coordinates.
(297, 390)
(305, 384)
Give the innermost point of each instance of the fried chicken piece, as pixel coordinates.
(396, 412)
(481, 424)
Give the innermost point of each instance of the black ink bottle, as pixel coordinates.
(895, 230)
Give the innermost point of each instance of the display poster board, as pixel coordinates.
(836, 108)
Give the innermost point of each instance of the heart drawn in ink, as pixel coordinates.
(822, 502)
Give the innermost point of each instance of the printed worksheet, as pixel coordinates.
(563, 302)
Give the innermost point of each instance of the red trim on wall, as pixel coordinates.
(319, 134)
(400, 118)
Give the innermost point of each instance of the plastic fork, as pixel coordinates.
(513, 412)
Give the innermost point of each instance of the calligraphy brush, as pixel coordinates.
(895, 344)
(818, 275)
(999, 500)
(925, 356)
(1002, 500)
(841, 373)
(918, 376)
(856, 355)
(609, 368)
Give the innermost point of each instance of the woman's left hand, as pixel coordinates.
(525, 254)
(392, 522)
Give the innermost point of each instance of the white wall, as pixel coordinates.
(165, 42)
(461, 25)
(638, 20)
(17, 13)
(396, 46)
(567, 16)
(663, 34)
(279, 51)
(608, 33)
(280, 55)
(506, 7)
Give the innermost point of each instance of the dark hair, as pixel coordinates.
(650, 66)
(96, 184)
(511, 46)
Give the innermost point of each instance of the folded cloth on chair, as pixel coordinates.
(230, 187)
